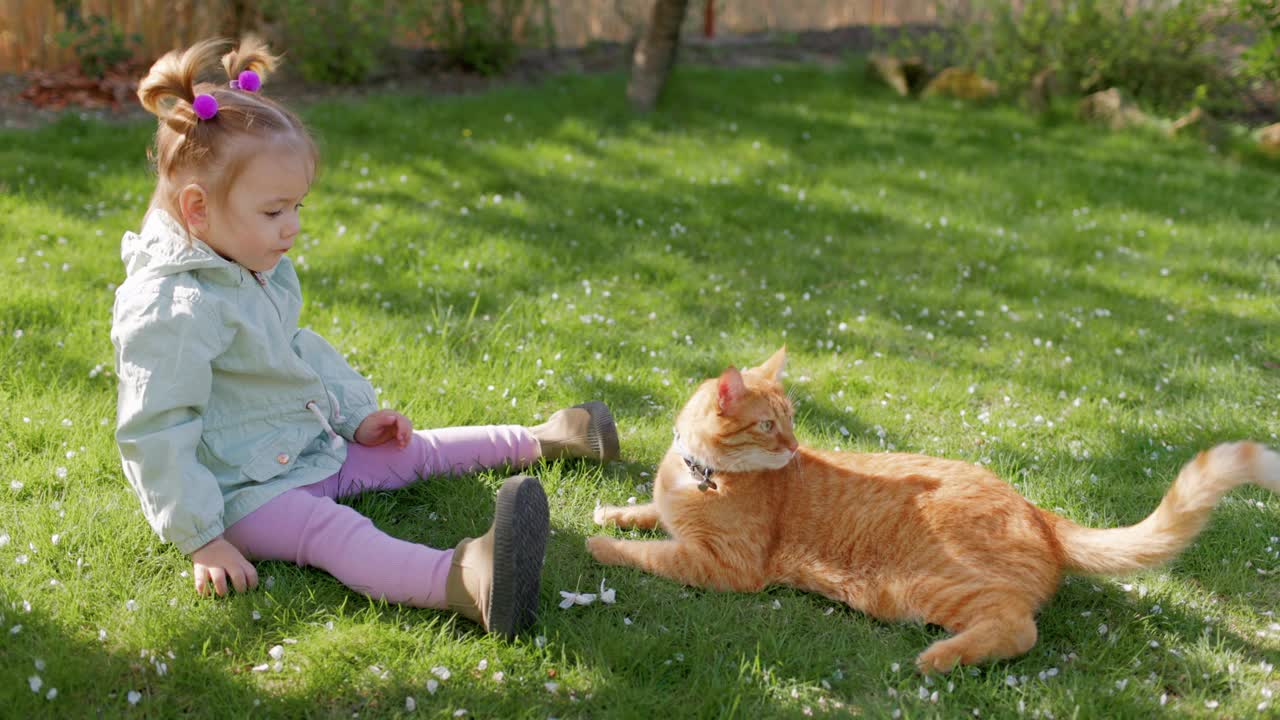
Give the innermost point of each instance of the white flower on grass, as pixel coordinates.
(540, 641)
(572, 598)
(22, 559)
(131, 605)
(15, 485)
(482, 665)
(39, 664)
(257, 615)
(410, 704)
(433, 685)
(551, 687)
(609, 596)
(499, 676)
(35, 682)
(53, 693)
(262, 668)
(460, 712)
(4, 537)
(441, 672)
(61, 472)
(15, 629)
(276, 652)
(134, 696)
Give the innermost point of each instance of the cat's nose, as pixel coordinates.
(792, 444)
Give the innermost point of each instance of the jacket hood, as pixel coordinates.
(163, 248)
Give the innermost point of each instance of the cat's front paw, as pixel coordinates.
(602, 549)
(604, 515)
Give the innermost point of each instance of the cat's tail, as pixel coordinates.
(1180, 516)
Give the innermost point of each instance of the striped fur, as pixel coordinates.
(895, 535)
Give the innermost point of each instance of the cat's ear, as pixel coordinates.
(731, 389)
(773, 367)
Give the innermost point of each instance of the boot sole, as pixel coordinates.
(520, 527)
(603, 436)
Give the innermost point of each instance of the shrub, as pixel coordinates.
(334, 41)
(1156, 51)
(481, 35)
(1262, 58)
(98, 43)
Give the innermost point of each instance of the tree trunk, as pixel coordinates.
(655, 53)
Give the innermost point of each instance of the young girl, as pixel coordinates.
(232, 419)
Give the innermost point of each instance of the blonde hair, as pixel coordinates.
(188, 148)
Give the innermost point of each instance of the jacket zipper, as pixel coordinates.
(262, 282)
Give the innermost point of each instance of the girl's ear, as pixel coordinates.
(730, 390)
(773, 367)
(193, 203)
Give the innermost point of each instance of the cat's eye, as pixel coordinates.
(766, 425)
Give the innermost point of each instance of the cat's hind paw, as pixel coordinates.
(940, 657)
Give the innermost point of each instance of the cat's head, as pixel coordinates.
(741, 421)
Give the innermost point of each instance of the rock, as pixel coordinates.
(1269, 139)
(903, 75)
(963, 84)
(1109, 108)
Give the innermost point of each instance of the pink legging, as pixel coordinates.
(305, 525)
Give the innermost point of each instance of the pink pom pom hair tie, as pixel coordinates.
(248, 81)
(206, 106)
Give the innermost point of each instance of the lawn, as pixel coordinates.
(1079, 310)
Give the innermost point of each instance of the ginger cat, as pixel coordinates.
(895, 535)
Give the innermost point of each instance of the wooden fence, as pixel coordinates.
(29, 28)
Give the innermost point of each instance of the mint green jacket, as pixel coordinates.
(214, 380)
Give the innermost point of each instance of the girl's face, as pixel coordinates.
(256, 224)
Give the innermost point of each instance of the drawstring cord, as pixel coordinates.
(335, 441)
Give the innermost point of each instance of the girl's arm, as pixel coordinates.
(165, 347)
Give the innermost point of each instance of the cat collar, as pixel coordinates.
(700, 471)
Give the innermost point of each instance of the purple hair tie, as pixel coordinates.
(248, 81)
(206, 106)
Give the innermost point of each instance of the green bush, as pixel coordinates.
(1155, 51)
(477, 34)
(1262, 58)
(334, 41)
(97, 42)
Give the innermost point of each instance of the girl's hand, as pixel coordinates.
(216, 561)
(384, 425)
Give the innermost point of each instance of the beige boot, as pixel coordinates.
(495, 578)
(584, 431)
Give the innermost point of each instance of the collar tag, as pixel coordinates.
(700, 471)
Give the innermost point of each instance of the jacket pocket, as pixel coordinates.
(277, 455)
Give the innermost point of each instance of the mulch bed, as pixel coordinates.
(41, 97)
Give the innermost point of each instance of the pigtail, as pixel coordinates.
(252, 54)
(170, 86)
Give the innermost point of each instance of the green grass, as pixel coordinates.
(1080, 310)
